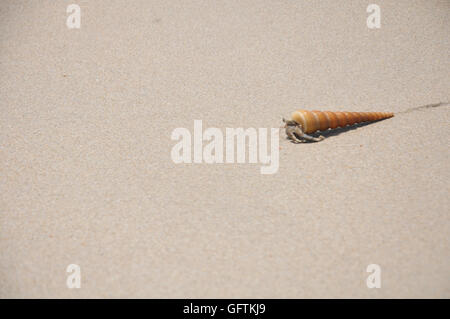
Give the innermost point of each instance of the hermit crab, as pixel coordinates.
(305, 122)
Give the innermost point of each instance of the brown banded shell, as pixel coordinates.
(312, 121)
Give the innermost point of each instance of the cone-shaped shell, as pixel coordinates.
(313, 121)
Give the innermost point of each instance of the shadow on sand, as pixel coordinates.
(341, 130)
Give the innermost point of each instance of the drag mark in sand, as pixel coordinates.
(428, 106)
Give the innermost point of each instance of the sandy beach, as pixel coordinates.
(87, 177)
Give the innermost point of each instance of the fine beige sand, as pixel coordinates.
(86, 175)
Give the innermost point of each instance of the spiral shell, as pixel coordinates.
(312, 121)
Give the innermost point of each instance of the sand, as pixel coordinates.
(86, 175)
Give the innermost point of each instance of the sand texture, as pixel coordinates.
(86, 175)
